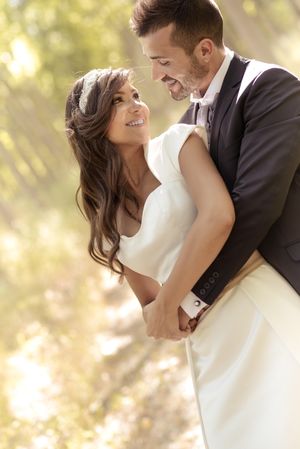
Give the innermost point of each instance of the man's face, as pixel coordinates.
(181, 73)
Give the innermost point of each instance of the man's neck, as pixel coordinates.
(217, 72)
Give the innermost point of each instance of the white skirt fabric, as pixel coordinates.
(245, 361)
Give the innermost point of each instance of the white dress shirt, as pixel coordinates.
(213, 89)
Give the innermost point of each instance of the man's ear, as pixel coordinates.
(204, 50)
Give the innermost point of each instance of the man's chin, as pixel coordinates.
(177, 91)
(178, 96)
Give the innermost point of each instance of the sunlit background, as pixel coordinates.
(77, 371)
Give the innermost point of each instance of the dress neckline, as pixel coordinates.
(146, 203)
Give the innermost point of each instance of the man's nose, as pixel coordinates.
(157, 72)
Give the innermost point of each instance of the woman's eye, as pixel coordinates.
(117, 100)
(136, 96)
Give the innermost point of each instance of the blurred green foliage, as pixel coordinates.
(67, 37)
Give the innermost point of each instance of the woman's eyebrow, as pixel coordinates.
(121, 92)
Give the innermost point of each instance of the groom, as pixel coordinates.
(251, 111)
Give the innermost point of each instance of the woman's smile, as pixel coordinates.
(139, 122)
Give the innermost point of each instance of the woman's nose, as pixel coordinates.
(135, 104)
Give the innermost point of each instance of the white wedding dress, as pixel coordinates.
(245, 352)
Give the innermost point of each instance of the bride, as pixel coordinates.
(159, 214)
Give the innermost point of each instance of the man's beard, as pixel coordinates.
(191, 80)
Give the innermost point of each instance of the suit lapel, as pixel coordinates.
(228, 92)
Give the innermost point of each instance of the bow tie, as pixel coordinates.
(206, 112)
(204, 101)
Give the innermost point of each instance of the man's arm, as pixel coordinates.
(269, 157)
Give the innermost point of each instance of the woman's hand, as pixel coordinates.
(163, 322)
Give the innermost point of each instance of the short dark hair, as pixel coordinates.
(193, 19)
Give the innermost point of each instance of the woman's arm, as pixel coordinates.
(146, 290)
(208, 234)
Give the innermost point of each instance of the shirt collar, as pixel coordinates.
(216, 83)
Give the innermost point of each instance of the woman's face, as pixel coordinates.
(130, 119)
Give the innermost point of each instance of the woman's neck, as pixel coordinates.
(135, 167)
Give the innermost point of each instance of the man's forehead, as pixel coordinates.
(157, 44)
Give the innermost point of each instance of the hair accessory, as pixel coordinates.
(88, 81)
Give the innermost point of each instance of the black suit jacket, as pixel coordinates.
(255, 144)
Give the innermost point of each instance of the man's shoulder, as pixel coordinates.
(254, 67)
(254, 70)
(259, 73)
(262, 65)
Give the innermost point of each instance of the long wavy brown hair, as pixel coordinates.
(103, 187)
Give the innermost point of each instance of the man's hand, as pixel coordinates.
(164, 323)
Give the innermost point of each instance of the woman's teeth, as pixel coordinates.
(135, 122)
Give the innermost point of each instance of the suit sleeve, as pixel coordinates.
(268, 159)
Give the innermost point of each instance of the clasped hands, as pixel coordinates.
(163, 321)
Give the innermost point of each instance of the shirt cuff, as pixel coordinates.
(192, 305)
